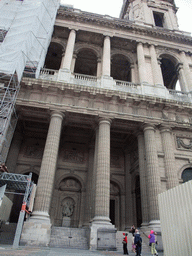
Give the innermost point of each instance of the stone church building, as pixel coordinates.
(107, 124)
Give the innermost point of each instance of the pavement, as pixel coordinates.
(6, 250)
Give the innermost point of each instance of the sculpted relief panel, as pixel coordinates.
(184, 143)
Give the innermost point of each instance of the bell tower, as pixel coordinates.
(151, 13)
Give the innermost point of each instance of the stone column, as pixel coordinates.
(48, 167)
(143, 178)
(169, 158)
(66, 63)
(73, 63)
(157, 74)
(101, 221)
(106, 68)
(132, 67)
(93, 193)
(37, 230)
(153, 177)
(99, 67)
(187, 72)
(182, 78)
(102, 196)
(141, 63)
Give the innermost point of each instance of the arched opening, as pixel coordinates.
(138, 201)
(120, 68)
(186, 175)
(86, 63)
(54, 56)
(169, 72)
(70, 203)
(114, 204)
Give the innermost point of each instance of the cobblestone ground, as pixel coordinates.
(28, 251)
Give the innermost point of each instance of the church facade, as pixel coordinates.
(104, 128)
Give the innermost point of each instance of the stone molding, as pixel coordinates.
(112, 22)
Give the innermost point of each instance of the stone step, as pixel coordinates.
(69, 238)
(119, 239)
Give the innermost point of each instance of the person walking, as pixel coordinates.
(152, 242)
(138, 243)
(125, 250)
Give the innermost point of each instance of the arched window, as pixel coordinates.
(169, 72)
(187, 175)
(54, 56)
(86, 63)
(120, 68)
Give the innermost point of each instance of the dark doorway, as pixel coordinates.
(112, 211)
(138, 201)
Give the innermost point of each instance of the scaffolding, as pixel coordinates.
(18, 183)
(25, 32)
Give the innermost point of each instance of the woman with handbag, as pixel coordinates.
(125, 250)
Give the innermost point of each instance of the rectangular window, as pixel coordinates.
(159, 19)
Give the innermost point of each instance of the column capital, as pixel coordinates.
(59, 114)
(147, 126)
(165, 128)
(104, 120)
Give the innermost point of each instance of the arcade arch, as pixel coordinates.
(54, 56)
(120, 68)
(86, 62)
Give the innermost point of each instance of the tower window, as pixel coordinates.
(158, 18)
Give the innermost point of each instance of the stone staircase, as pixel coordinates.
(64, 237)
(119, 239)
(7, 233)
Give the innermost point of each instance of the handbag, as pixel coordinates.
(149, 244)
(123, 242)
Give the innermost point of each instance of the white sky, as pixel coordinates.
(112, 8)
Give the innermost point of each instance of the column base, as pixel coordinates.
(102, 234)
(36, 230)
(107, 82)
(64, 75)
(155, 225)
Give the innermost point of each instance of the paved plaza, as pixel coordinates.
(42, 251)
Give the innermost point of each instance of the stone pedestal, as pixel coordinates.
(64, 75)
(66, 222)
(102, 236)
(36, 231)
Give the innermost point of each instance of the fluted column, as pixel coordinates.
(66, 62)
(48, 167)
(102, 197)
(153, 177)
(141, 63)
(157, 74)
(172, 179)
(186, 70)
(143, 178)
(106, 69)
(93, 193)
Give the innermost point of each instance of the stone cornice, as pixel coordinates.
(115, 23)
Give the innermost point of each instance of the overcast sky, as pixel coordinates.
(112, 8)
